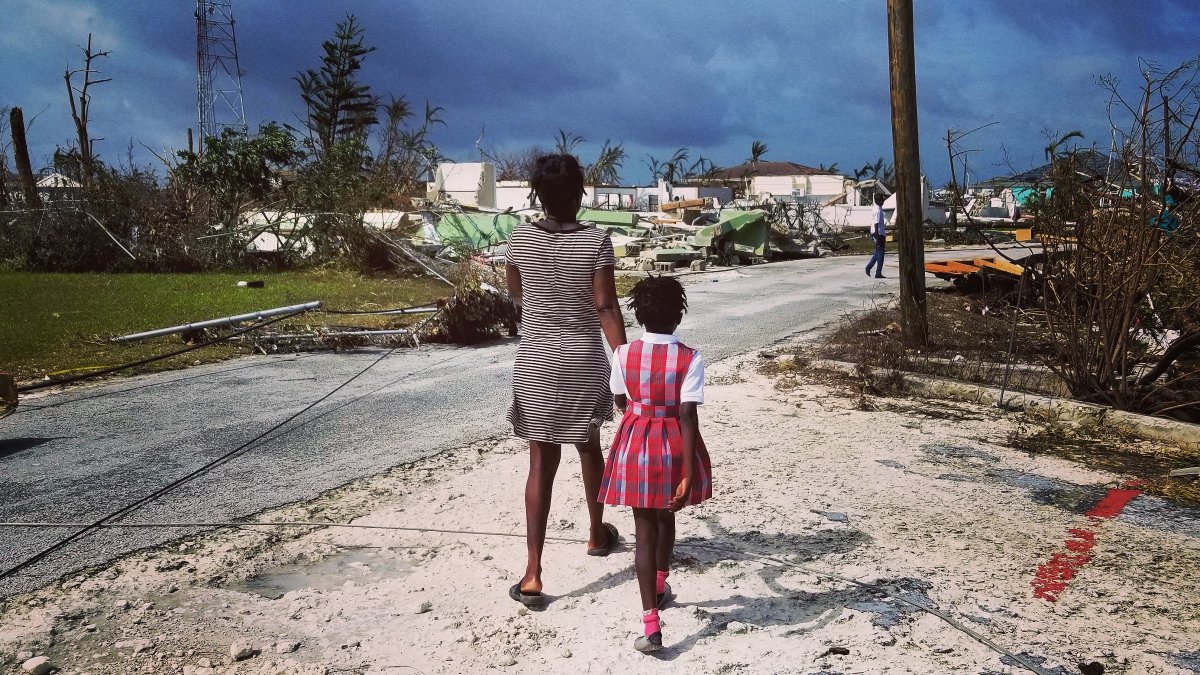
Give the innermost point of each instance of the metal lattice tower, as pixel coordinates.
(218, 77)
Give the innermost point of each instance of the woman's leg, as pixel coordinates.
(591, 460)
(539, 486)
(646, 523)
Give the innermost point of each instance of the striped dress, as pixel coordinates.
(646, 460)
(560, 380)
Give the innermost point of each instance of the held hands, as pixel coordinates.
(679, 500)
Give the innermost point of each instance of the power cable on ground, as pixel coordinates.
(85, 530)
(27, 407)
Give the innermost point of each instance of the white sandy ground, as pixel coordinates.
(896, 499)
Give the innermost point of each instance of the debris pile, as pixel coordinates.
(690, 234)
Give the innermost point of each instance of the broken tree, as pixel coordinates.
(81, 112)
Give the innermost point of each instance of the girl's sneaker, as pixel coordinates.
(648, 643)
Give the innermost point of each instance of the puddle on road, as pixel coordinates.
(362, 566)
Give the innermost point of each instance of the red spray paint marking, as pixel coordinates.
(1052, 577)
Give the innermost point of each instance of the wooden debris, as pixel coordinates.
(684, 204)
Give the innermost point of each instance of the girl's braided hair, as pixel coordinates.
(658, 302)
(558, 181)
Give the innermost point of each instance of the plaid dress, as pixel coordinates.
(646, 460)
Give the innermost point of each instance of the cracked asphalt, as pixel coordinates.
(78, 455)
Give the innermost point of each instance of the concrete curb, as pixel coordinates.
(1157, 428)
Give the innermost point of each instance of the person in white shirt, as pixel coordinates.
(879, 234)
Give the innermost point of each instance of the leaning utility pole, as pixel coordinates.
(905, 146)
(16, 124)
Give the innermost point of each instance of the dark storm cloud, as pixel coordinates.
(809, 78)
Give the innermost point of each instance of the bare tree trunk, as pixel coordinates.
(903, 71)
(81, 113)
(16, 121)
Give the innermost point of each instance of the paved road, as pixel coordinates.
(80, 455)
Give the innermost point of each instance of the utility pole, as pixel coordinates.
(906, 148)
(16, 124)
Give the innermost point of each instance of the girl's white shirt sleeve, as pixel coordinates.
(693, 382)
(616, 379)
(692, 390)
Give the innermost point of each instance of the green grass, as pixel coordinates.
(864, 245)
(51, 323)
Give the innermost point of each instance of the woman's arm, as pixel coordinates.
(608, 307)
(512, 279)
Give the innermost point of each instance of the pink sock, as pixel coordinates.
(660, 581)
(650, 621)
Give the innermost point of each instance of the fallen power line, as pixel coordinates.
(151, 359)
(228, 321)
(209, 466)
(421, 309)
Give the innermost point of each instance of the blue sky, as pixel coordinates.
(808, 77)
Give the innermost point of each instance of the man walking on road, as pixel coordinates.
(879, 234)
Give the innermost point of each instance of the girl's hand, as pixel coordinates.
(681, 494)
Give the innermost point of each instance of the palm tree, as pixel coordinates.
(673, 168)
(832, 168)
(567, 142)
(881, 171)
(757, 150)
(606, 169)
(669, 170)
(702, 169)
(396, 112)
(1052, 149)
(654, 165)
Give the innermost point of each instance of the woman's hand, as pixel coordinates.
(681, 494)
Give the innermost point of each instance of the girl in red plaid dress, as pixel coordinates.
(658, 463)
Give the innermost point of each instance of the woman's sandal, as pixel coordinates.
(527, 599)
(609, 545)
(663, 598)
(648, 643)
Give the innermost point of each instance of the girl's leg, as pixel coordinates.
(646, 523)
(662, 553)
(539, 486)
(591, 460)
(666, 540)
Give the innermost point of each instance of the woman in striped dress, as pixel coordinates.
(658, 463)
(560, 274)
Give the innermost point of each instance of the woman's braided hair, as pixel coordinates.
(558, 181)
(658, 301)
